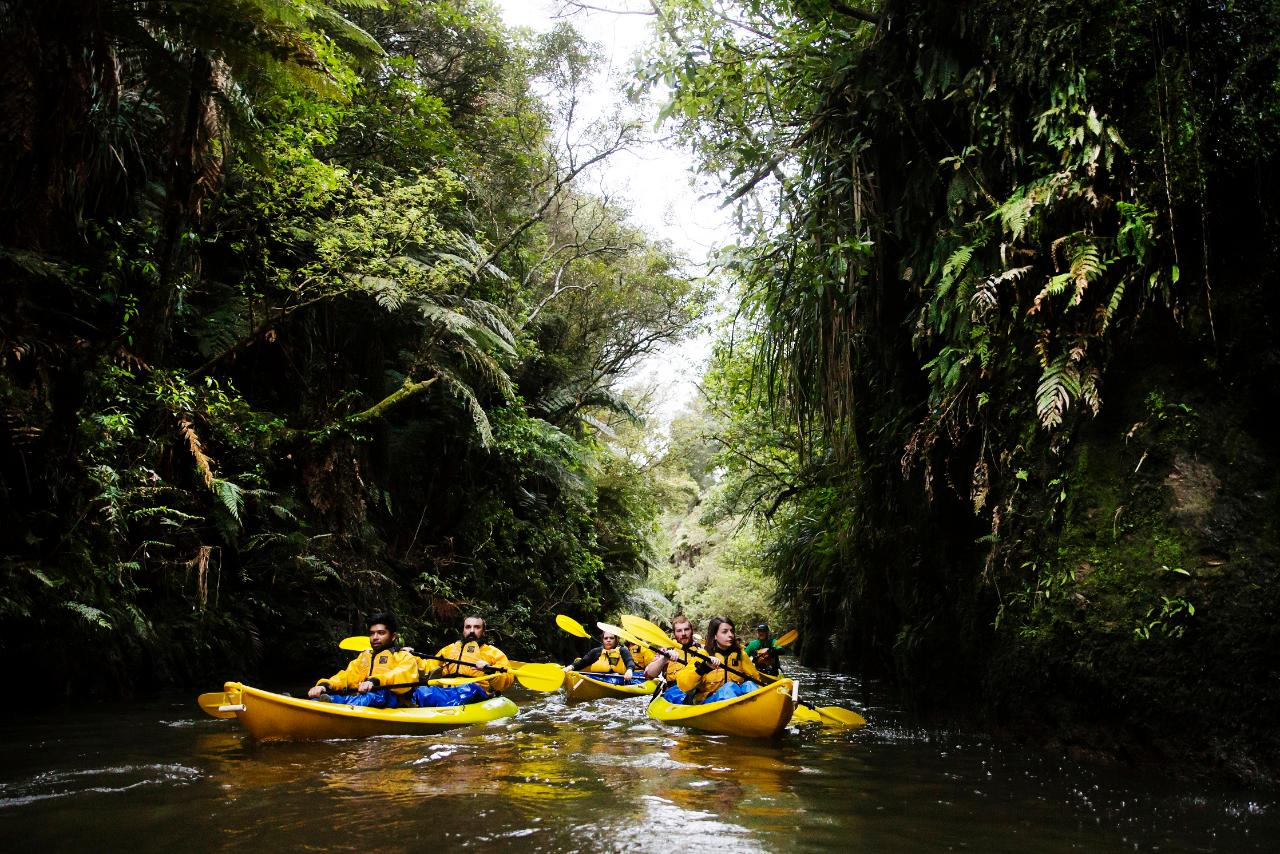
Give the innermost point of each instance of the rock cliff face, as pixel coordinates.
(1150, 630)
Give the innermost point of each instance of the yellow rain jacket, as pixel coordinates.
(472, 651)
(389, 667)
(675, 665)
(642, 655)
(701, 685)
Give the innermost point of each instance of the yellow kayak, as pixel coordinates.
(580, 686)
(275, 717)
(763, 713)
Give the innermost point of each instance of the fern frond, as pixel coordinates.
(387, 293)
(459, 326)
(231, 496)
(955, 265)
(1059, 385)
(204, 463)
(490, 372)
(1086, 266)
(344, 30)
(987, 298)
(1089, 391)
(1107, 312)
(1016, 213)
(462, 392)
(221, 329)
(1055, 287)
(91, 615)
(493, 317)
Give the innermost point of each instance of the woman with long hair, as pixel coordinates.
(711, 680)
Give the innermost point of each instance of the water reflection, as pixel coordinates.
(595, 776)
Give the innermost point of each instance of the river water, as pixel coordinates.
(588, 777)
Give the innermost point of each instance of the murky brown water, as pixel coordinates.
(593, 777)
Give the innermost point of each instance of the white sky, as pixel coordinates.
(655, 179)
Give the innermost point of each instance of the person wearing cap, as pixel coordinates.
(364, 681)
(763, 651)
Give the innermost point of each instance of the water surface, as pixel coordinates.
(588, 777)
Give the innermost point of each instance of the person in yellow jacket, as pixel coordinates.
(711, 681)
(363, 680)
(641, 655)
(481, 658)
(669, 662)
(609, 662)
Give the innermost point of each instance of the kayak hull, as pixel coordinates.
(763, 713)
(275, 717)
(580, 687)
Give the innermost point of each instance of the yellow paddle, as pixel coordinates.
(535, 677)
(572, 626)
(787, 639)
(829, 715)
(623, 635)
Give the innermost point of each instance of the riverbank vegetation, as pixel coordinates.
(1008, 276)
(306, 313)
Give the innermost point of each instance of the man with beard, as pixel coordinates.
(670, 662)
(384, 663)
(464, 658)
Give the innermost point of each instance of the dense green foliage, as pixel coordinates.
(303, 316)
(1001, 262)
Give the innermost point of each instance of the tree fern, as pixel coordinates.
(458, 325)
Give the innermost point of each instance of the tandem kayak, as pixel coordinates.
(275, 717)
(763, 713)
(580, 686)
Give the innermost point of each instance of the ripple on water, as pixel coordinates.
(48, 785)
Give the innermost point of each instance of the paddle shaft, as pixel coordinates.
(474, 664)
(345, 691)
(703, 656)
(494, 670)
(395, 685)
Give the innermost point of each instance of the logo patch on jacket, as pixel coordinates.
(382, 659)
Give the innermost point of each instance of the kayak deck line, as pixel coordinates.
(764, 713)
(582, 687)
(268, 716)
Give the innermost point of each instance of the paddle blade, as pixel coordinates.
(210, 703)
(836, 716)
(355, 643)
(805, 715)
(621, 633)
(541, 677)
(572, 626)
(646, 631)
(787, 639)
(633, 623)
